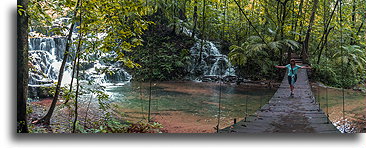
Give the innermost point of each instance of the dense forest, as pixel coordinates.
(152, 40)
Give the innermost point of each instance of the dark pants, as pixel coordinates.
(290, 79)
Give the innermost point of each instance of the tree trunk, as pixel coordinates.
(77, 90)
(359, 29)
(22, 68)
(326, 28)
(173, 17)
(183, 11)
(251, 24)
(46, 119)
(203, 30)
(299, 16)
(323, 45)
(72, 78)
(87, 110)
(324, 38)
(353, 38)
(283, 20)
(224, 22)
(305, 49)
(195, 17)
(293, 19)
(278, 15)
(182, 15)
(78, 53)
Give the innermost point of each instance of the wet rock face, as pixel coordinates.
(86, 65)
(118, 75)
(41, 69)
(208, 78)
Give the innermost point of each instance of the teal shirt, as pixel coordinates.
(292, 71)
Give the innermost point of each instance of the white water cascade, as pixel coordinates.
(45, 58)
(212, 63)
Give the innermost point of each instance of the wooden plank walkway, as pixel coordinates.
(286, 114)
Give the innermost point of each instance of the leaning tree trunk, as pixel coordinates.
(72, 79)
(22, 68)
(305, 49)
(77, 90)
(323, 45)
(359, 29)
(326, 32)
(78, 54)
(46, 119)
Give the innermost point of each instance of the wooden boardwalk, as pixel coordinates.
(285, 114)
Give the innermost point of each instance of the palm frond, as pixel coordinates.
(234, 47)
(276, 45)
(292, 44)
(254, 39)
(257, 47)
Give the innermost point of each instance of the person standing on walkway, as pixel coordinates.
(292, 73)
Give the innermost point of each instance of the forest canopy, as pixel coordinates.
(255, 33)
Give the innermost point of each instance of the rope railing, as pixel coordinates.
(326, 66)
(342, 53)
(220, 91)
(318, 88)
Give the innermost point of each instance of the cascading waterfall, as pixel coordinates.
(117, 76)
(212, 63)
(45, 58)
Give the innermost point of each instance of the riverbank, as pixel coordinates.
(346, 108)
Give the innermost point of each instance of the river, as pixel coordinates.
(187, 107)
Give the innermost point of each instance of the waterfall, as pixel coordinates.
(45, 58)
(114, 76)
(46, 55)
(212, 63)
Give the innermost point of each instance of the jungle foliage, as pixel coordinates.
(262, 33)
(147, 36)
(268, 31)
(165, 54)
